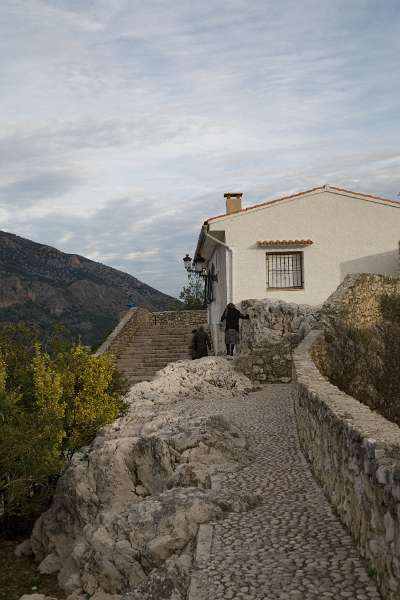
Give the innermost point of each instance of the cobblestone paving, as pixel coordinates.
(292, 546)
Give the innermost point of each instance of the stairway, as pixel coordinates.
(155, 346)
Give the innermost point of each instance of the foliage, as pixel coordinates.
(390, 306)
(365, 363)
(54, 397)
(192, 294)
(30, 451)
(90, 399)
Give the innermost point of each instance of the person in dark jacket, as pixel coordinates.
(200, 343)
(192, 349)
(231, 316)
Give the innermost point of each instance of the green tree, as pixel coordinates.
(192, 294)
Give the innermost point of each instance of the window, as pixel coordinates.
(285, 270)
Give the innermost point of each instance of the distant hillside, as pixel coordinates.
(43, 286)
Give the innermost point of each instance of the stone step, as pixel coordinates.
(152, 361)
(132, 380)
(141, 372)
(145, 367)
(163, 340)
(138, 347)
(162, 334)
(141, 368)
(148, 365)
(153, 348)
(149, 359)
(157, 344)
(151, 351)
(165, 332)
(166, 354)
(159, 340)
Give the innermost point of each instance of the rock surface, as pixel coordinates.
(36, 597)
(127, 510)
(275, 327)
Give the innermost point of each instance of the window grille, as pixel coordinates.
(285, 270)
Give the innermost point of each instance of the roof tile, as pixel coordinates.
(282, 243)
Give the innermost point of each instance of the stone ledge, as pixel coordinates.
(365, 421)
(355, 455)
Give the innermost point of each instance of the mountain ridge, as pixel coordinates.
(42, 285)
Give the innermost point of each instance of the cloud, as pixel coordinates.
(123, 122)
(28, 191)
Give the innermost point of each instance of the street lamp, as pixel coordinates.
(198, 268)
(187, 261)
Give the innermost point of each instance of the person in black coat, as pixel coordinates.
(200, 343)
(231, 316)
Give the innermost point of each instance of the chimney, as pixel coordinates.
(233, 203)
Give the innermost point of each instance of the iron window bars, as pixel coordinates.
(285, 270)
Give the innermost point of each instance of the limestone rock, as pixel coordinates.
(50, 564)
(275, 327)
(271, 321)
(36, 597)
(24, 549)
(126, 512)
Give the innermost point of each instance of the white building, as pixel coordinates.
(297, 248)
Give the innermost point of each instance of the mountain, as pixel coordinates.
(43, 286)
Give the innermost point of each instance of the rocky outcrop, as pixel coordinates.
(357, 300)
(275, 327)
(43, 286)
(127, 509)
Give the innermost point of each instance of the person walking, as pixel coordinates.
(200, 343)
(231, 316)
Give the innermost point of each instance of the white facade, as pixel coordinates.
(350, 233)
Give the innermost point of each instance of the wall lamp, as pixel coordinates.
(198, 268)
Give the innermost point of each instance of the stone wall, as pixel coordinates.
(268, 338)
(355, 455)
(170, 318)
(135, 319)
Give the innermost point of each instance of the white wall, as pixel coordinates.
(350, 235)
(216, 308)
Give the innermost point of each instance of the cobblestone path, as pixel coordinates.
(292, 546)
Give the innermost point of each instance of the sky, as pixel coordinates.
(123, 122)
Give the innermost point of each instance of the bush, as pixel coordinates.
(390, 306)
(51, 403)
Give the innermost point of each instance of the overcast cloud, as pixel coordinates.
(124, 122)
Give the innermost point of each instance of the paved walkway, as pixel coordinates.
(292, 546)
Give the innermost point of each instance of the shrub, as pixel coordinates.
(51, 404)
(390, 307)
(89, 397)
(30, 451)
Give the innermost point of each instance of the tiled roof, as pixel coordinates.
(267, 243)
(322, 188)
